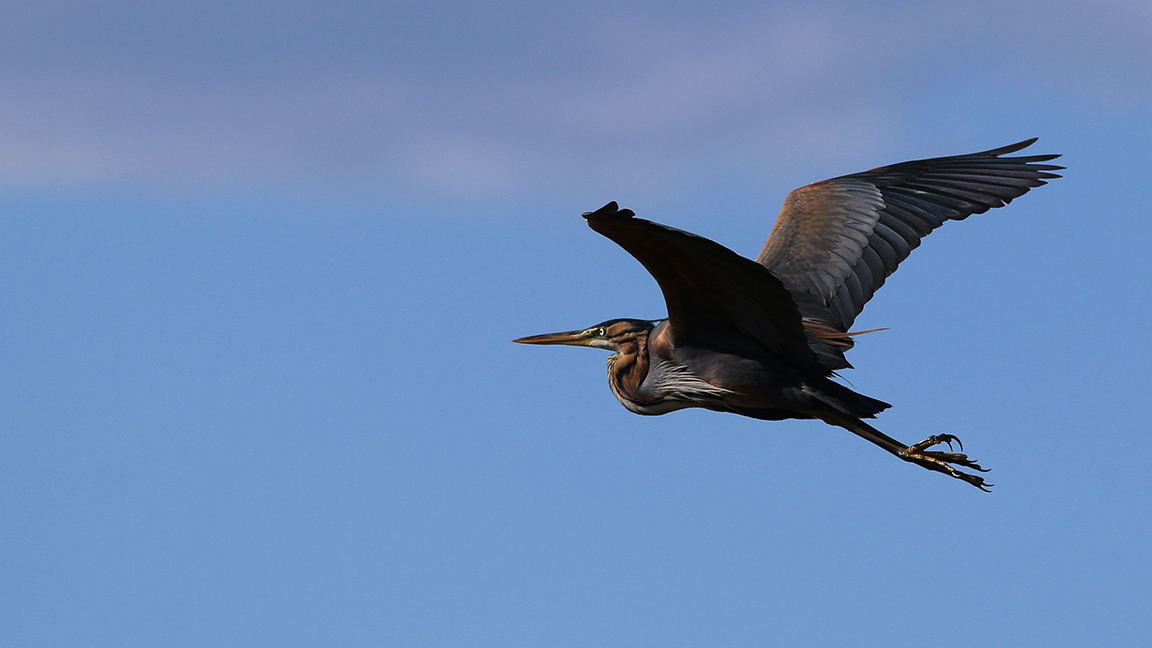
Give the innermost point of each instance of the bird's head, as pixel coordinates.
(613, 335)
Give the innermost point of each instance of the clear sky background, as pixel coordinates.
(261, 263)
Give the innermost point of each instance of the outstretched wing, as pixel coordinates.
(716, 298)
(836, 241)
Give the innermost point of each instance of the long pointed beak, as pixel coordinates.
(573, 338)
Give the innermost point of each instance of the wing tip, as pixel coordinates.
(611, 210)
(1019, 146)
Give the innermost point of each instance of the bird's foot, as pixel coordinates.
(943, 461)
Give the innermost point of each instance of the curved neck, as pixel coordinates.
(627, 369)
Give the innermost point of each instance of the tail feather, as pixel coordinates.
(847, 401)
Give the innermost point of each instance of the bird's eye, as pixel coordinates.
(595, 332)
(600, 331)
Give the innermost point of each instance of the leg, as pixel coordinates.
(918, 454)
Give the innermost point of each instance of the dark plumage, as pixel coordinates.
(762, 338)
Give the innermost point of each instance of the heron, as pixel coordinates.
(765, 338)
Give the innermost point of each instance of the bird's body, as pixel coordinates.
(763, 338)
(657, 377)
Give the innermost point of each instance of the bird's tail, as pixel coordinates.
(847, 401)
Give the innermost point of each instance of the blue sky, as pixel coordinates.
(261, 263)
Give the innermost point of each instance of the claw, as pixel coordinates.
(937, 439)
(942, 461)
(954, 457)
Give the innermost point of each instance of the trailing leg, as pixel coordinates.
(942, 462)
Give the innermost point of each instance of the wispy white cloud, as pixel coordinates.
(508, 98)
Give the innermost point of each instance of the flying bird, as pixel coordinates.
(764, 338)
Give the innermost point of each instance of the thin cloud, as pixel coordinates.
(508, 99)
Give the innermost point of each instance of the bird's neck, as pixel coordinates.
(627, 369)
